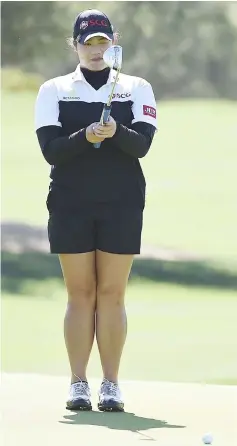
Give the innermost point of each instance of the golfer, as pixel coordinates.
(96, 200)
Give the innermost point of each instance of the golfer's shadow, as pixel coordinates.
(120, 421)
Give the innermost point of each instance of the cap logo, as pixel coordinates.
(84, 24)
(93, 22)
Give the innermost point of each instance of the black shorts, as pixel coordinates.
(105, 227)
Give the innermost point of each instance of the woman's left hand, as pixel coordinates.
(107, 130)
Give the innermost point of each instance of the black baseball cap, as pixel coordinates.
(92, 23)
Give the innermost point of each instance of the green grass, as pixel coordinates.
(190, 171)
(175, 334)
(25, 173)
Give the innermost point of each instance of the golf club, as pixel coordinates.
(113, 58)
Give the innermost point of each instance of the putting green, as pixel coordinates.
(34, 412)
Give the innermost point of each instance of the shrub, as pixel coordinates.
(14, 79)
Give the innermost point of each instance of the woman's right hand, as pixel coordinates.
(90, 136)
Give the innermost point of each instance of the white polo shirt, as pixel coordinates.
(71, 102)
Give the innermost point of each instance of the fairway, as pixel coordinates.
(168, 414)
(174, 334)
(190, 172)
(179, 366)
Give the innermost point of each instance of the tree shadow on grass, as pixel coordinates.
(193, 273)
(16, 269)
(25, 255)
(120, 421)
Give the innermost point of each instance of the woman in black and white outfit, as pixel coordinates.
(96, 200)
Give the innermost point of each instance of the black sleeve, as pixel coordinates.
(135, 140)
(58, 148)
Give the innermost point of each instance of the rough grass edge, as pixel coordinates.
(15, 79)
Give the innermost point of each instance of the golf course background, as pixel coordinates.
(181, 298)
(182, 293)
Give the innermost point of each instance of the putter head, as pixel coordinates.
(113, 57)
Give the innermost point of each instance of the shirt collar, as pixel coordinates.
(78, 75)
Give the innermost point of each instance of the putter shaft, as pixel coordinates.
(110, 97)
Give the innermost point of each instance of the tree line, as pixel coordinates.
(185, 49)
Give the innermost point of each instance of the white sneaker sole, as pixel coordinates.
(79, 404)
(111, 406)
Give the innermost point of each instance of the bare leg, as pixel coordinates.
(111, 321)
(79, 323)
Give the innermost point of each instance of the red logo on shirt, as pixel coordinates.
(149, 111)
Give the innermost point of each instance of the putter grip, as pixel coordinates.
(106, 115)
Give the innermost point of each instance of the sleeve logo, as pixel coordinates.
(149, 111)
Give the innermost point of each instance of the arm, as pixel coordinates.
(137, 139)
(134, 141)
(56, 147)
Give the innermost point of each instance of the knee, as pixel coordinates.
(81, 295)
(110, 294)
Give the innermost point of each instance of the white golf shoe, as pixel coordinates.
(79, 396)
(110, 397)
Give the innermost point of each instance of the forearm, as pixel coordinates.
(58, 148)
(134, 141)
